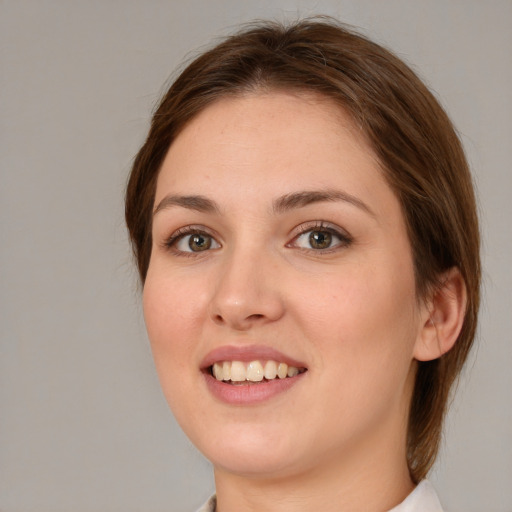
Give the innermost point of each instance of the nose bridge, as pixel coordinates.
(247, 291)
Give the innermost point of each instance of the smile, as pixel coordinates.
(238, 372)
(246, 375)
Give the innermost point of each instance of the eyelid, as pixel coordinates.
(170, 242)
(344, 237)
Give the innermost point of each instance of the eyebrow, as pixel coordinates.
(307, 197)
(198, 203)
(280, 205)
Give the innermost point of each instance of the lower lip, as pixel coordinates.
(248, 394)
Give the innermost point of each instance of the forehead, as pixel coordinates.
(277, 140)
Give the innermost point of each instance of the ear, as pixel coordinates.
(443, 317)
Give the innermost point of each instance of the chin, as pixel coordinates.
(249, 452)
(251, 465)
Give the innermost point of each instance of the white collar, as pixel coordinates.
(422, 499)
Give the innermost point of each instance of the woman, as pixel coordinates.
(304, 225)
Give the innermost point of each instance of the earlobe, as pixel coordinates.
(443, 317)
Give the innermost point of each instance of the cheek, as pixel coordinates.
(170, 304)
(364, 315)
(171, 314)
(364, 332)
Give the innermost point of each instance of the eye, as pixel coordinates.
(191, 240)
(320, 238)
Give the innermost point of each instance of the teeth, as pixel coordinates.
(226, 371)
(292, 371)
(270, 370)
(217, 371)
(255, 371)
(282, 370)
(238, 371)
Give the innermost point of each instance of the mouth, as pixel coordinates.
(239, 373)
(247, 375)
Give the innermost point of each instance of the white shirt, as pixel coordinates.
(422, 499)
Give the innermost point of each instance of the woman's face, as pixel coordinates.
(277, 241)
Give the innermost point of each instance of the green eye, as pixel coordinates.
(199, 242)
(196, 242)
(320, 239)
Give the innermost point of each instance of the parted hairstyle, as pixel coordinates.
(418, 149)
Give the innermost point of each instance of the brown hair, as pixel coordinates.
(419, 151)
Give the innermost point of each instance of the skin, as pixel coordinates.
(335, 440)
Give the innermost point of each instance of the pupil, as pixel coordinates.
(199, 243)
(320, 239)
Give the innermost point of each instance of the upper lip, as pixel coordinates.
(248, 353)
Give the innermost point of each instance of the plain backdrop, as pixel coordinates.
(83, 423)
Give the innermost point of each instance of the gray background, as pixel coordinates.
(83, 424)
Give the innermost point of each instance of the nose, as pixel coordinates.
(247, 292)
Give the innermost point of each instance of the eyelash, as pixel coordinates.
(319, 226)
(171, 242)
